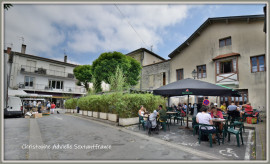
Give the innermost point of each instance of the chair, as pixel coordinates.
(179, 116)
(232, 130)
(195, 126)
(237, 121)
(164, 123)
(141, 121)
(225, 130)
(204, 129)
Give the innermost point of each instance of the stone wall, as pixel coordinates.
(152, 75)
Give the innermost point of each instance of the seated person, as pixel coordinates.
(162, 114)
(204, 118)
(217, 114)
(233, 110)
(153, 119)
(248, 109)
(223, 108)
(141, 111)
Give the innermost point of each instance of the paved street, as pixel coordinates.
(70, 131)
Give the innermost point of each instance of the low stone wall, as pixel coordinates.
(128, 121)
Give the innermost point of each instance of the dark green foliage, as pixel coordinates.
(71, 103)
(105, 66)
(83, 74)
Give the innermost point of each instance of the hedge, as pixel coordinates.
(125, 105)
(71, 103)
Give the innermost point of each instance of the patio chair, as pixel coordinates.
(236, 132)
(179, 116)
(195, 126)
(164, 123)
(204, 130)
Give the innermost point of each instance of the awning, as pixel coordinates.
(225, 56)
(12, 92)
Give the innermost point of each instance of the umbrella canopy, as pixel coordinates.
(193, 87)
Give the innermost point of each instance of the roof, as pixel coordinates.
(144, 49)
(209, 21)
(226, 55)
(42, 58)
(157, 62)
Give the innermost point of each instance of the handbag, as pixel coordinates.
(254, 120)
(249, 120)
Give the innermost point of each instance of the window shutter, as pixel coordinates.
(217, 63)
(234, 64)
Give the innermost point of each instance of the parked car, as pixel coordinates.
(14, 107)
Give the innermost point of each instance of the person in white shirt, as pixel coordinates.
(205, 118)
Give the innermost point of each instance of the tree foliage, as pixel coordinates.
(84, 74)
(105, 66)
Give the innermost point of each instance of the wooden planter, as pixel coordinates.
(89, 113)
(96, 114)
(103, 116)
(128, 121)
(112, 117)
(81, 112)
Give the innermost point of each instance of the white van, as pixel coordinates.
(14, 107)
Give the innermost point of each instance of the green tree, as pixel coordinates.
(84, 74)
(118, 80)
(105, 66)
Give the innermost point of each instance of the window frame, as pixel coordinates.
(201, 71)
(225, 40)
(258, 63)
(29, 81)
(179, 70)
(50, 81)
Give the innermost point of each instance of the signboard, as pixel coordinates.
(187, 92)
(206, 102)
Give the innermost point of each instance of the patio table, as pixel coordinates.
(171, 113)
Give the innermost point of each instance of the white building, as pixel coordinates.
(42, 76)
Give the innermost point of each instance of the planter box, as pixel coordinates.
(103, 115)
(112, 117)
(90, 113)
(85, 112)
(128, 121)
(68, 110)
(80, 112)
(96, 114)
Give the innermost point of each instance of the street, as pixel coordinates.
(64, 137)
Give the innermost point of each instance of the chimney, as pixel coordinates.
(65, 58)
(8, 50)
(23, 48)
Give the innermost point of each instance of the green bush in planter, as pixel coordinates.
(71, 103)
(83, 104)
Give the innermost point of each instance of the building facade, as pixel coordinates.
(228, 51)
(42, 76)
(155, 69)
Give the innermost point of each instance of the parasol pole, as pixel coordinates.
(187, 111)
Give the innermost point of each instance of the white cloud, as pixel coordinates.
(89, 28)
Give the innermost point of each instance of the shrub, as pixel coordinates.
(71, 103)
(125, 105)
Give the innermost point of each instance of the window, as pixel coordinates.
(164, 78)
(242, 99)
(226, 66)
(257, 63)
(28, 81)
(201, 71)
(54, 84)
(225, 42)
(179, 74)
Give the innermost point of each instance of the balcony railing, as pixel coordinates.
(43, 71)
(42, 87)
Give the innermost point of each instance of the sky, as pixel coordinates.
(84, 31)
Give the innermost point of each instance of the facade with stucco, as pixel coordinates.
(228, 51)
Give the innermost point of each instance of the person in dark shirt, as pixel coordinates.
(162, 114)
